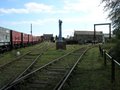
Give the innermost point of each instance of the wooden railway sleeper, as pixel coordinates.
(45, 78)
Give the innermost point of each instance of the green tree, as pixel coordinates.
(113, 6)
(115, 51)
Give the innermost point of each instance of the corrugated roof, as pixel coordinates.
(88, 32)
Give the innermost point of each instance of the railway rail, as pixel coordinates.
(51, 75)
(15, 69)
(22, 55)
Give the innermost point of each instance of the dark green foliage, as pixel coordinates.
(112, 40)
(117, 33)
(114, 7)
(115, 51)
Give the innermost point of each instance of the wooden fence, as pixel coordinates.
(114, 62)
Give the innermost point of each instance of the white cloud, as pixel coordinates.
(38, 7)
(68, 6)
(80, 5)
(13, 10)
(76, 13)
(34, 22)
(30, 7)
(93, 11)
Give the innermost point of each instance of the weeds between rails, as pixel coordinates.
(10, 57)
(48, 76)
(21, 56)
(12, 71)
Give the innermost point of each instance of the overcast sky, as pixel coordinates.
(44, 15)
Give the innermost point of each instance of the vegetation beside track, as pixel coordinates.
(108, 46)
(11, 55)
(51, 54)
(49, 76)
(91, 74)
(10, 71)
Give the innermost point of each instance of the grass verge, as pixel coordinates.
(91, 74)
(11, 55)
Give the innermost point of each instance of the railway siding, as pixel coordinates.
(90, 74)
(48, 76)
(11, 55)
(10, 72)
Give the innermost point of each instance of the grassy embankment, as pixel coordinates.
(92, 75)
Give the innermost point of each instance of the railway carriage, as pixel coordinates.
(30, 40)
(25, 39)
(4, 39)
(35, 39)
(16, 39)
(10, 39)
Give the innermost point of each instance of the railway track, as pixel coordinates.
(51, 75)
(17, 68)
(22, 55)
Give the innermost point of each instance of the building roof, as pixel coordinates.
(87, 32)
(47, 34)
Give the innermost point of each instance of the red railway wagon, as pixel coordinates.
(30, 39)
(35, 39)
(15, 39)
(25, 39)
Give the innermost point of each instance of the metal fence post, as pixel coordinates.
(100, 49)
(102, 52)
(112, 70)
(104, 57)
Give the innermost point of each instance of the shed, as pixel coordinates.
(48, 36)
(88, 36)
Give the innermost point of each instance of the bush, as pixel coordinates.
(112, 40)
(115, 51)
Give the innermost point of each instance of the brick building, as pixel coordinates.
(48, 37)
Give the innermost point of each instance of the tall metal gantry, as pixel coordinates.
(99, 25)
